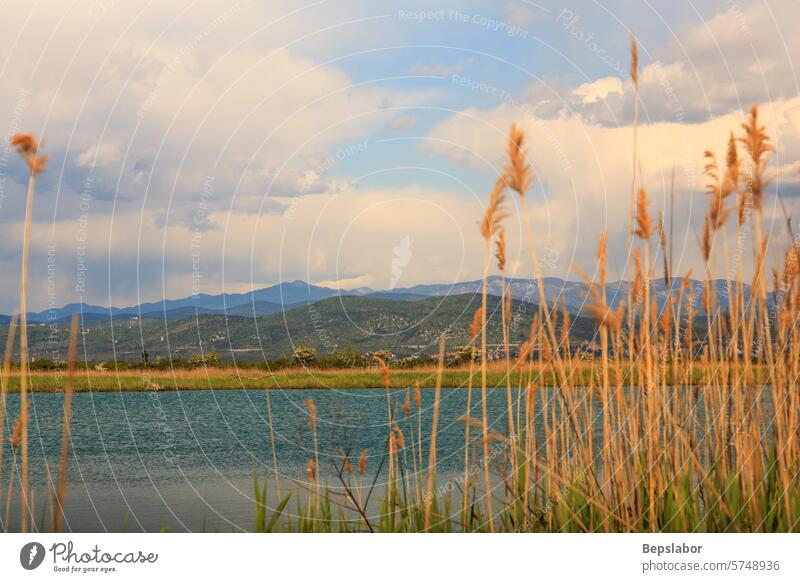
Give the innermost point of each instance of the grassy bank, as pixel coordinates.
(300, 378)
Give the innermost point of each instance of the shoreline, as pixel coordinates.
(307, 379)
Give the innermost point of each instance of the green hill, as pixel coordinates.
(364, 324)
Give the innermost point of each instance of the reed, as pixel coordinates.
(57, 503)
(665, 431)
(431, 477)
(28, 149)
(12, 329)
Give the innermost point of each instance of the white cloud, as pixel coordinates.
(348, 283)
(167, 99)
(129, 258)
(600, 89)
(584, 170)
(155, 100)
(103, 154)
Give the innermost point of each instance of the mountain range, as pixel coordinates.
(284, 296)
(269, 322)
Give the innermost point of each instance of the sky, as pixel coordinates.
(207, 147)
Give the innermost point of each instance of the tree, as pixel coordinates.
(466, 353)
(211, 359)
(304, 356)
(347, 358)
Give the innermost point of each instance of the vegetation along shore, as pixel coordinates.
(232, 378)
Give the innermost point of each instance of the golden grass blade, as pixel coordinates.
(434, 429)
(12, 332)
(66, 434)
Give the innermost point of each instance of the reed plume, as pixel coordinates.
(500, 253)
(634, 74)
(644, 226)
(518, 174)
(494, 214)
(634, 66)
(17, 430)
(311, 471)
(757, 144)
(312, 413)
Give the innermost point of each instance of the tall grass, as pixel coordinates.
(28, 148)
(640, 442)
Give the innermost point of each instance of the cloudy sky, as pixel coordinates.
(222, 146)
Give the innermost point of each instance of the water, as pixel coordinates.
(141, 461)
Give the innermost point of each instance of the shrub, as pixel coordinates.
(466, 353)
(347, 358)
(210, 359)
(304, 356)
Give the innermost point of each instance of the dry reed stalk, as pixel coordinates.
(474, 330)
(415, 465)
(384, 369)
(434, 428)
(12, 331)
(519, 176)
(312, 415)
(66, 434)
(14, 441)
(489, 227)
(418, 404)
(505, 303)
(647, 381)
(272, 444)
(634, 74)
(28, 148)
(607, 321)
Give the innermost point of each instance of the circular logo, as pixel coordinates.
(31, 555)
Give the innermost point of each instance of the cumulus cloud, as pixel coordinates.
(737, 57)
(221, 136)
(600, 89)
(162, 114)
(321, 239)
(99, 155)
(348, 283)
(153, 108)
(580, 134)
(584, 170)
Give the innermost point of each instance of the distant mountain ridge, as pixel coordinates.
(259, 302)
(283, 296)
(362, 323)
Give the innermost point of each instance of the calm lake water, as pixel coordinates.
(185, 460)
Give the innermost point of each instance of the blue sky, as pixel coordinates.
(226, 146)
